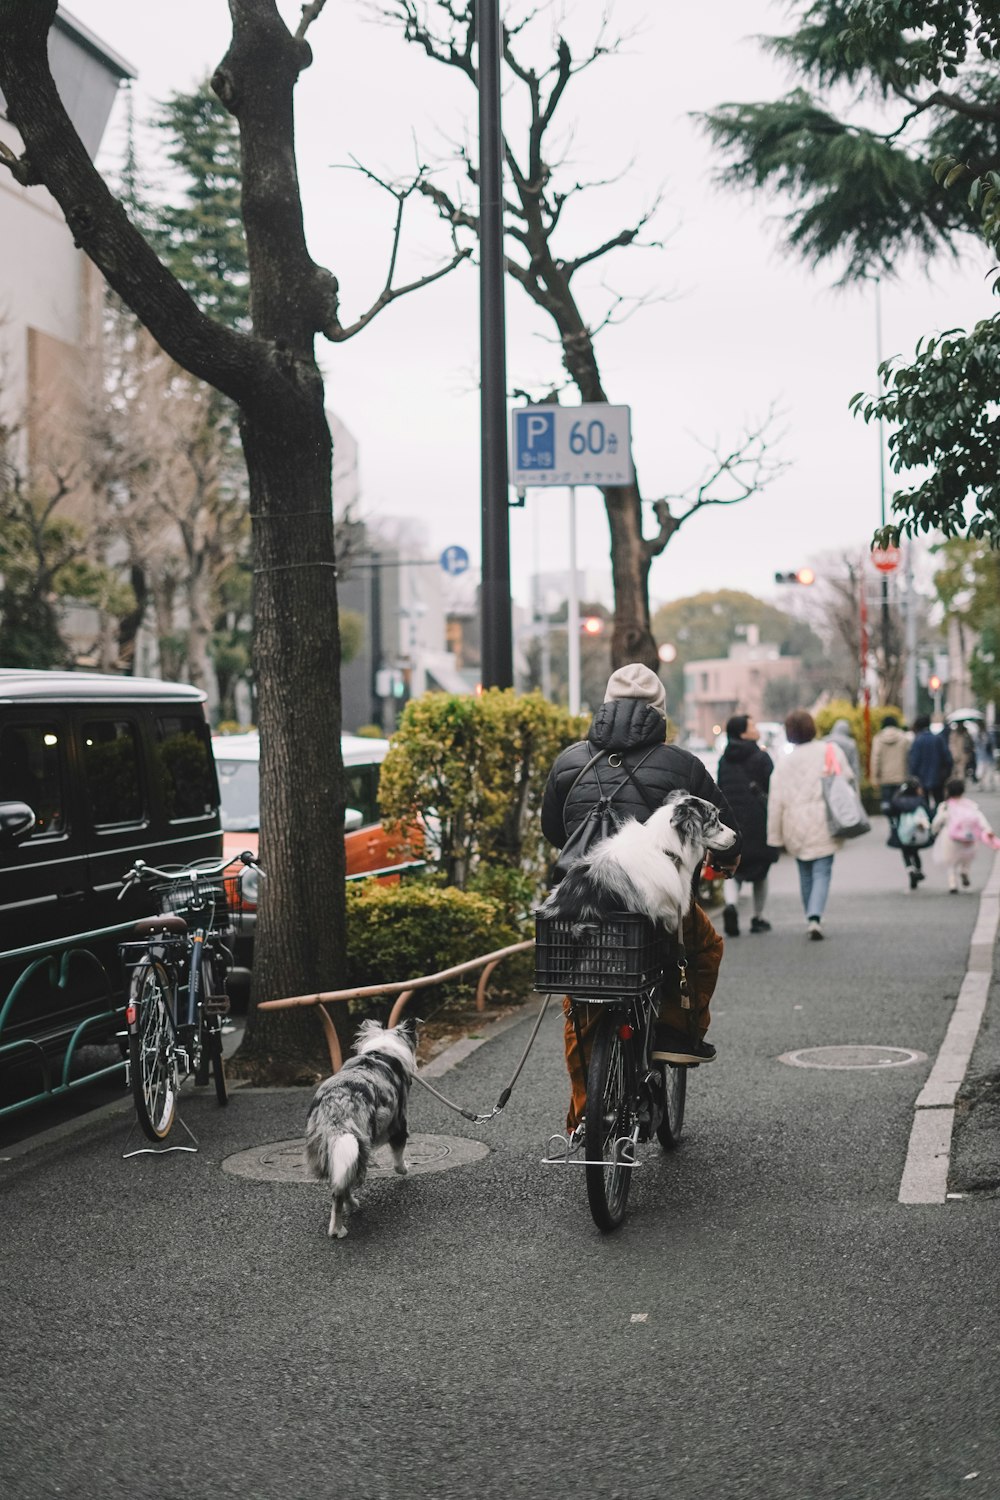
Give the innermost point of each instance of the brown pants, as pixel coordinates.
(704, 955)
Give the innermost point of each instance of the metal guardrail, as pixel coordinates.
(403, 989)
(57, 957)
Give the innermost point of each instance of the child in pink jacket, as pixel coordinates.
(961, 826)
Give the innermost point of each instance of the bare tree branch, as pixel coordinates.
(335, 331)
(745, 470)
(309, 14)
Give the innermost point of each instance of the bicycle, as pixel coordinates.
(177, 1000)
(618, 964)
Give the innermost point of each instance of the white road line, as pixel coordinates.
(925, 1175)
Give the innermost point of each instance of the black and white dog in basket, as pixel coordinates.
(359, 1109)
(643, 867)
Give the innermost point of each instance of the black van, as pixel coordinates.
(95, 771)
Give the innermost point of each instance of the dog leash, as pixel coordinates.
(505, 1093)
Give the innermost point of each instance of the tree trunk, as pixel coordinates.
(632, 636)
(296, 652)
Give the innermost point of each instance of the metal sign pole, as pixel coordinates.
(497, 640)
(573, 612)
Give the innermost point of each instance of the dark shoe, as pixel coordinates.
(730, 921)
(914, 880)
(674, 1047)
(815, 930)
(758, 924)
(963, 877)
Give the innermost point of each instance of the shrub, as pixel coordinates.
(479, 765)
(397, 932)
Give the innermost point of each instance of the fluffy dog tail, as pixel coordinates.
(333, 1157)
(343, 1161)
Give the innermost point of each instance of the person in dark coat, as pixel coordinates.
(908, 798)
(744, 774)
(929, 761)
(631, 727)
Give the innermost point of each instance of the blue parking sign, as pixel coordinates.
(535, 440)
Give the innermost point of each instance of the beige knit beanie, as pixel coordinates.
(637, 681)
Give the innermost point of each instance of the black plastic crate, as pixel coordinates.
(622, 955)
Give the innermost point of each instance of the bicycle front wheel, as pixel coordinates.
(675, 1092)
(610, 1122)
(152, 1060)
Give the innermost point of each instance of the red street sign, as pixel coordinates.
(886, 559)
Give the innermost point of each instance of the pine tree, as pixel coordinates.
(864, 196)
(200, 237)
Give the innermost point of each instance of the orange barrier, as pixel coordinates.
(403, 989)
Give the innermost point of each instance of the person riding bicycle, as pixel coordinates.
(630, 727)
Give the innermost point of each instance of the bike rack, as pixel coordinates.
(403, 989)
(58, 958)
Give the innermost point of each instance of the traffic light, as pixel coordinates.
(592, 625)
(934, 683)
(802, 575)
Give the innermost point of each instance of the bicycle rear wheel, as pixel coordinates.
(675, 1092)
(152, 1060)
(610, 1118)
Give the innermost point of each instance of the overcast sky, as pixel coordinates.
(738, 325)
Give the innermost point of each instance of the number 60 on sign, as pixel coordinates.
(571, 445)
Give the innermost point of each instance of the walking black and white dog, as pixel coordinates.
(644, 867)
(359, 1109)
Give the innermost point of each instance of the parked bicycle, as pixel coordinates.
(617, 964)
(177, 997)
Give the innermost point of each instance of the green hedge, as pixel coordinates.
(397, 932)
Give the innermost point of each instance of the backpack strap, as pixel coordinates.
(636, 782)
(582, 772)
(652, 806)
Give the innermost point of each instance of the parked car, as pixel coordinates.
(95, 771)
(366, 844)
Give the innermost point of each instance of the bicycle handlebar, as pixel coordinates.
(140, 871)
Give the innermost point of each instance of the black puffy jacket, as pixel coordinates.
(632, 729)
(744, 775)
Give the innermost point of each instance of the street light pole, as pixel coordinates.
(497, 643)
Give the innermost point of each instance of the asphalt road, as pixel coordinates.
(770, 1323)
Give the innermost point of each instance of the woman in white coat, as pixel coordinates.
(796, 813)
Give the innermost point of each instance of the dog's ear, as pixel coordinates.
(686, 817)
(407, 1028)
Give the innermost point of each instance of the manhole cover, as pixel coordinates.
(285, 1161)
(852, 1057)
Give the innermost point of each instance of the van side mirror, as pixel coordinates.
(16, 821)
(353, 819)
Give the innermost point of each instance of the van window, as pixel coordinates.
(30, 772)
(361, 784)
(184, 759)
(111, 770)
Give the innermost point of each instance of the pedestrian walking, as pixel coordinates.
(985, 759)
(962, 750)
(961, 826)
(890, 749)
(929, 761)
(744, 775)
(909, 828)
(796, 813)
(625, 757)
(841, 736)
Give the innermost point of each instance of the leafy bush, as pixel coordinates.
(479, 765)
(397, 932)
